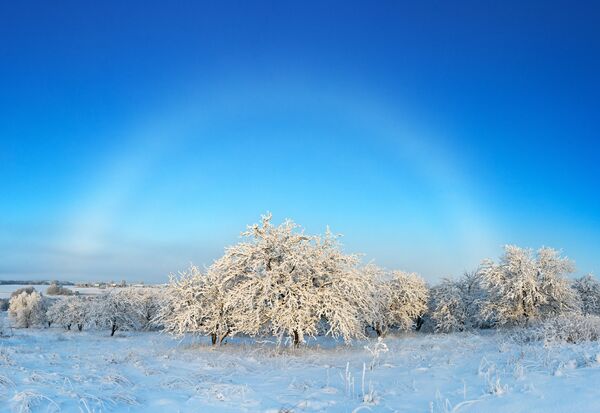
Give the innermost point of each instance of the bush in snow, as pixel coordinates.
(27, 310)
(4, 304)
(55, 289)
(572, 329)
(116, 310)
(70, 312)
(588, 291)
(524, 286)
(401, 299)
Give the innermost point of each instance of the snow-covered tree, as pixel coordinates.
(56, 289)
(455, 305)
(409, 295)
(588, 291)
(70, 312)
(27, 309)
(149, 301)
(117, 310)
(345, 292)
(400, 298)
(525, 286)
(448, 307)
(283, 282)
(57, 314)
(196, 303)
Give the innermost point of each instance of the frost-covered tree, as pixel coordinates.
(448, 307)
(409, 295)
(524, 286)
(80, 310)
(56, 289)
(474, 295)
(588, 291)
(196, 303)
(117, 310)
(455, 305)
(345, 292)
(401, 299)
(149, 301)
(70, 312)
(27, 309)
(283, 282)
(57, 314)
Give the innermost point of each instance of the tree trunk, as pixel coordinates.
(419, 323)
(380, 330)
(79, 327)
(69, 327)
(296, 339)
(223, 337)
(213, 338)
(114, 328)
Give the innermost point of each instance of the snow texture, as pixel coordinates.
(53, 370)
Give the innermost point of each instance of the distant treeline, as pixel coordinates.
(36, 282)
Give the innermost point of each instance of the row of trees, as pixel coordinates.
(282, 282)
(124, 309)
(523, 287)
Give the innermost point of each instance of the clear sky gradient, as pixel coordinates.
(137, 137)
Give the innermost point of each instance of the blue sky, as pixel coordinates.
(137, 138)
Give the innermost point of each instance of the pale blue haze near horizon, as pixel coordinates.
(136, 138)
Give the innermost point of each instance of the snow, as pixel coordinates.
(7, 289)
(47, 370)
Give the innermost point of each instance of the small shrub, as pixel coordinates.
(56, 289)
(572, 329)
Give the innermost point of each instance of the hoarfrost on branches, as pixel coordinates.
(525, 286)
(117, 310)
(455, 305)
(588, 291)
(286, 283)
(70, 312)
(277, 281)
(28, 309)
(195, 303)
(401, 299)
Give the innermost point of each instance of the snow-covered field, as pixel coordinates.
(7, 289)
(48, 370)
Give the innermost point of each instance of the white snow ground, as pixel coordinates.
(51, 370)
(7, 289)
